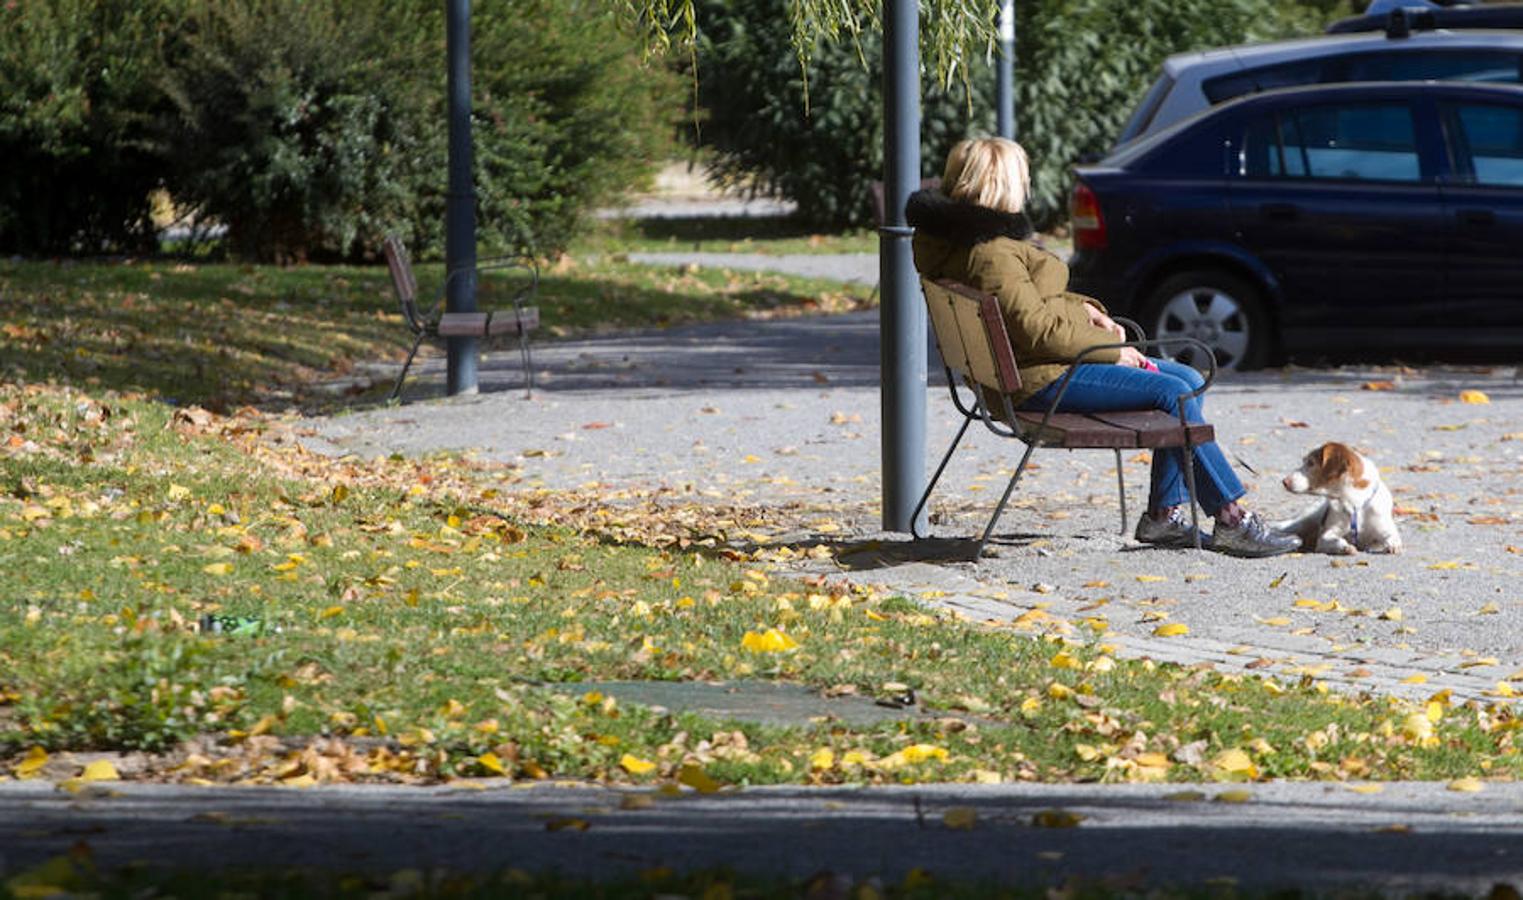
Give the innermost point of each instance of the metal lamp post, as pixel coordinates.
(460, 201)
(902, 327)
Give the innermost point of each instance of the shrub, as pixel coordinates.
(300, 126)
(76, 97)
(1081, 64)
(312, 127)
(567, 117)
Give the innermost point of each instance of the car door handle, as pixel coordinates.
(1477, 217)
(1279, 210)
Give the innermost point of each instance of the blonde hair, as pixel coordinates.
(990, 172)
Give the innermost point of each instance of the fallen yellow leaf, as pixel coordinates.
(1235, 762)
(1172, 629)
(1476, 397)
(634, 765)
(694, 777)
(34, 760)
(960, 818)
(1366, 788)
(769, 641)
(220, 568)
(1466, 785)
(100, 770)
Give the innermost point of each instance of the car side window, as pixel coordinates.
(1292, 74)
(1493, 135)
(1495, 66)
(1366, 141)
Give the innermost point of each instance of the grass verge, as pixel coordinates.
(222, 336)
(409, 616)
(769, 235)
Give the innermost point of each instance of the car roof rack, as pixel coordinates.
(1401, 21)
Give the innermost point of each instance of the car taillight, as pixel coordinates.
(1088, 223)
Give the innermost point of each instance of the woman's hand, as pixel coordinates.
(1130, 356)
(1101, 320)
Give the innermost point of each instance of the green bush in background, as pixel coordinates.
(567, 117)
(303, 126)
(1081, 65)
(77, 96)
(311, 128)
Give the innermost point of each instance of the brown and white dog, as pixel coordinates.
(1355, 512)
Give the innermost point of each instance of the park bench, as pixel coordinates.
(437, 323)
(975, 349)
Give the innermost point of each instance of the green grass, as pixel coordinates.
(423, 607)
(774, 235)
(224, 335)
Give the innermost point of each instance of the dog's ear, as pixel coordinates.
(1334, 460)
(1340, 460)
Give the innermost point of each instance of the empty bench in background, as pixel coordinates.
(437, 323)
(975, 347)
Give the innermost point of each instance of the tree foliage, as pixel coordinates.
(76, 98)
(309, 128)
(815, 134)
(810, 126)
(312, 128)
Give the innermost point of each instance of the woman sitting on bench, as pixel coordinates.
(976, 233)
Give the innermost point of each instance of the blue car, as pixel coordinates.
(1374, 216)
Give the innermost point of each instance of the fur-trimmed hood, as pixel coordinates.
(966, 224)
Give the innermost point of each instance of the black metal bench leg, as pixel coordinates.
(396, 390)
(523, 351)
(1190, 485)
(915, 516)
(1121, 489)
(999, 510)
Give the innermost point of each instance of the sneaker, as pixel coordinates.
(1175, 531)
(1252, 538)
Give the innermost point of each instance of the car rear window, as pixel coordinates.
(1496, 66)
(1224, 87)
(1419, 64)
(1366, 141)
(1143, 115)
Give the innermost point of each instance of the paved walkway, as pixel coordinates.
(787, 412)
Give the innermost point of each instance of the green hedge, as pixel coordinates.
(310, 128)
(77, 98)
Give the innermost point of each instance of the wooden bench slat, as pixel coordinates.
(1156, 428)
(480, 324)
(1075, 431)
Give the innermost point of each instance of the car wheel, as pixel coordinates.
(1222, 311)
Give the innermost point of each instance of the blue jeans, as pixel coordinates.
(1102, 387)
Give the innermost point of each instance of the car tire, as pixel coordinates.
(1223, 311)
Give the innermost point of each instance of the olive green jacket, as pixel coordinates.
(1048, 324)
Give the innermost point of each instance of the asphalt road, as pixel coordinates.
(1406, 839)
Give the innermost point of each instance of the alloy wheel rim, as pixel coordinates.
(1211, 316)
